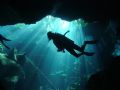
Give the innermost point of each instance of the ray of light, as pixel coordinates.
(33, 40)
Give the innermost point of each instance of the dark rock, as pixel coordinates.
(107, 79)
(30, 11)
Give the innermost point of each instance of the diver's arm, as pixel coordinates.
(60, 50)
(66, 32)
(59, 46)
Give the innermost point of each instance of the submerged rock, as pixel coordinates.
(10, 72)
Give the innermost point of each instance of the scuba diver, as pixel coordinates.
(62, 43)
(2, 39)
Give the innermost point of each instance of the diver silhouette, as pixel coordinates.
(62, 43)
(2, 39)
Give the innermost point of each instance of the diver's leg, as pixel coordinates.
(5, 45)
(71, 51)
(81, 49)
(61, 50)
(76, 47)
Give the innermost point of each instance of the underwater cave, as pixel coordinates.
(47, 69)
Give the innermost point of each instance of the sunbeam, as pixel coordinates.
(62, 69)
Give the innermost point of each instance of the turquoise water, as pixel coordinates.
(60, 69)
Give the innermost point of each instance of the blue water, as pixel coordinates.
(61, 69)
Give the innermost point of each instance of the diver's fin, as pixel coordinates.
(88, 53)
(87, 42)
(85, 53)
(91, 42)
(79, 55)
